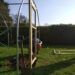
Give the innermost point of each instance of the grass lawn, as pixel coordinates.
(48, 62)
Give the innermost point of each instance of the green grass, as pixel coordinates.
(48, 63)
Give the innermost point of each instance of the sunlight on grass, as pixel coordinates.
(48, 63)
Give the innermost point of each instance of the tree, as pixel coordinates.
(5, 22)
(4, 12)
(23, 20)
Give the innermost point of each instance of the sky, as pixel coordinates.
(50, 11)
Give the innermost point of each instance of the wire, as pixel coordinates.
(4, 32)
(3, 44)
(6, 27)
(4, 20)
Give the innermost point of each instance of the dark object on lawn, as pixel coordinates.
(38, 44)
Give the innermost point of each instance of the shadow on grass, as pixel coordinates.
(12, 58)
(49, 69)
(9, 62)
(7, 57)
(5, 72)
(43, 70)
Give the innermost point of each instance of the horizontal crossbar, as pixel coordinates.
(16, 3)
(67, 50)
(66, 53)
(60, 52)
(34, 60)
(34, 27)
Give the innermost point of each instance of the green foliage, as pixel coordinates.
(23, 20)
(50, 35)
(58, 34)
(4, 12)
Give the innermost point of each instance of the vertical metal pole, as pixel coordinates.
(11, 34)
(35, 33)
(8, 37)
(39, 24)
(17, 64)
(30, 33)
(17, 38)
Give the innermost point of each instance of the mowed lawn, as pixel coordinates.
(48, 63)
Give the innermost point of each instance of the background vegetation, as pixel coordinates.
(50, 35)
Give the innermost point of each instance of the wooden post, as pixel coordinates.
(32, 6)
(30, 33)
